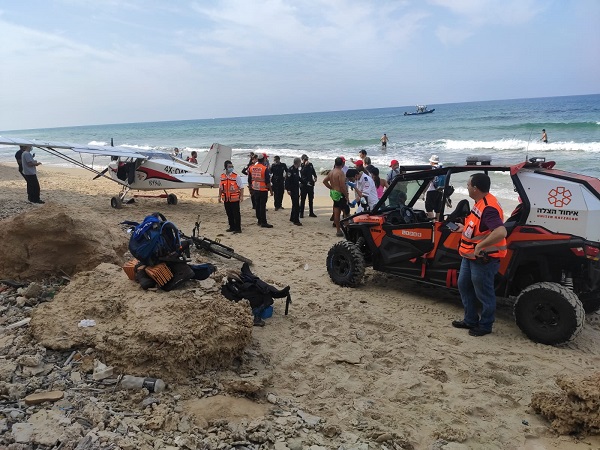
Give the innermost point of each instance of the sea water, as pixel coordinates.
(507, 130)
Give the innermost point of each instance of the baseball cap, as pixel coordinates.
(343, 159)
(394, 162)
(358, 162)
(265, 155)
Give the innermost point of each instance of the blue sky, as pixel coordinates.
(83, 62)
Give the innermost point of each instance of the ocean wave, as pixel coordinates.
(518, 144)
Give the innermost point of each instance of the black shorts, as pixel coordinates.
(342, 203)
(433, 201)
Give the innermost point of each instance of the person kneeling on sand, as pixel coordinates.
(335, 181)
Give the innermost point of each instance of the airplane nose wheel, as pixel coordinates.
(116, 203)
(171, 199)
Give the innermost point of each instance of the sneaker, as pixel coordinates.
(462, 324)
(41, 202)
(312, 215)
(479, 332)
(281, 207)
(267, 225)
(340, 234)
(298, 223)
(258, 322)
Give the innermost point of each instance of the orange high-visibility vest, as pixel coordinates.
(471, 234)
(230, 191)
(257, 174)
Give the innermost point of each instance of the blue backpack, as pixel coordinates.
(440, 181)
(154, 239)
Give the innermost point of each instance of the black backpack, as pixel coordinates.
(250, 287)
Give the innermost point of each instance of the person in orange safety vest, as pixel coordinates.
(482, 244)
(231, 193)
(261, 185)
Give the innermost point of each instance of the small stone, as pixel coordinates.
(309, 419)
(22, 432)
(41, 397)
(21, 301)
(33, 290)
(30, 360)
(150, 401)
(271, 398)
(75, 377)
(384, 437)
(281, 446)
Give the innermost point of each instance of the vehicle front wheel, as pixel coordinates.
(345, 264)
(549, 313)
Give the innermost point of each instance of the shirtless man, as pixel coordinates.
(335, 181)
(384, 140)
(544, 137)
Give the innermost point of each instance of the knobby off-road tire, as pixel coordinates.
(345, 264)
(549, 313)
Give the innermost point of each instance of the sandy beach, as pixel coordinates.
(379, 359)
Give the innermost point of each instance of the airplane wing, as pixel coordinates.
(100, 150)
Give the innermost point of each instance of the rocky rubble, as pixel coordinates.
(69, 399)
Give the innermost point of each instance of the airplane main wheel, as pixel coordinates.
(116, 203)
(345, 264)
(549, 313)
(171, 199)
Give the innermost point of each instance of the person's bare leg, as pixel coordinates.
(336, 218)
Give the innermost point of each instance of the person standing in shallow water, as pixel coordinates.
(544, 137)
(384, 140)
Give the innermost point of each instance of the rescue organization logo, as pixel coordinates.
(559, 197)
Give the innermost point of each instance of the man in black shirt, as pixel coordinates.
(308, 177)
(18, 157)
(292, 186)
(278, 172)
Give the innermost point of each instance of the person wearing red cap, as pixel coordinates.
(395, 165)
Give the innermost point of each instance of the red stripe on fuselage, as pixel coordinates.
(155, 174)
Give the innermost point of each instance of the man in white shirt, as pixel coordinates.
(365, 186)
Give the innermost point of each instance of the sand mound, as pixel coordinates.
(170, 335)
(54, 238)
(574, 410)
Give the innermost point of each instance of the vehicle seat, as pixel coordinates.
(461, 211)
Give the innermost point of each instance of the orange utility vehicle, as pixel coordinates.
(551, 271)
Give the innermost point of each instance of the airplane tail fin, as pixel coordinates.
(214, 162)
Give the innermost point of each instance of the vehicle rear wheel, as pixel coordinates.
(345, 264)
(549, 313)
(116, 203)
(171, 199)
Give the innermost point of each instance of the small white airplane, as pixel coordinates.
(141, 171)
